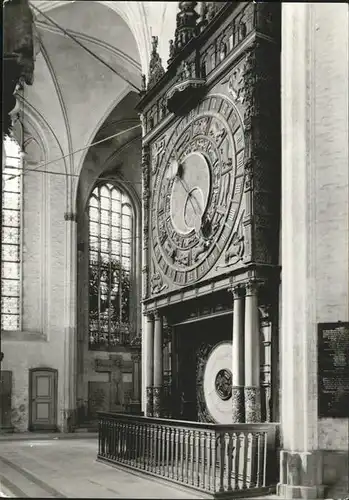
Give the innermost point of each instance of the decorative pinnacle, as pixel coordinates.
(156, 70)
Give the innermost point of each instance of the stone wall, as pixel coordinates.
(70, 98)
(315, 240)
(331, 69)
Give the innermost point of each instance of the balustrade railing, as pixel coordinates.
(217, 459)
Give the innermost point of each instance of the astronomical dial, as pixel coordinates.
(197, 190)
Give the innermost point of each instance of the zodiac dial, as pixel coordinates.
(197, 191)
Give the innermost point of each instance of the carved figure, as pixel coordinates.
(181, 258)
(223, 51)
(235, 85)
(156, 70)
(144, 83)
(200, 249)
(157, 284)
(172, 49)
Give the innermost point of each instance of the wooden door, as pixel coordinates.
(43, 399)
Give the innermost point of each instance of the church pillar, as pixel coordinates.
(148, 359)
(252, 354)
(158, 365)
(300, 460)
(238, 375)
(68, 417)
(136, 377)
(147, 322)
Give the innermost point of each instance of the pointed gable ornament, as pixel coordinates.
(156, 70)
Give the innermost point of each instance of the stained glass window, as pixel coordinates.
(11, 227)
(111, 225)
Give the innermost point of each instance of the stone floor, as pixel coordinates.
(58, 466)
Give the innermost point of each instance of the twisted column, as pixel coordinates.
(238, 375)
(252, 354)
(158, 365)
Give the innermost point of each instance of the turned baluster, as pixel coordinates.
(249, 460)
(192, 455)
(117, 439)
(168, 446)
(221, 460)
(254, 459)
(147, 448)
(124, 441)
(114, 439)
(182, 453)
(187, 454)
(127, 441)
(196, 476)
(163, 450)
(159, 449)
(236, 460)
(203, 455)
(265, 460)
(153, 448)
(110, 439)
(134, 444)
(230, 449)
(243, 461)
(209, 460)
(120, 441)
(259, 459)
(176, 462)
(214, 461)
(142, 447)
(128, 451)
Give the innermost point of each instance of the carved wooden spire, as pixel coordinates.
(185, 25)
(156, 70)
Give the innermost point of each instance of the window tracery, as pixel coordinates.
(11, 236)
(111, 231)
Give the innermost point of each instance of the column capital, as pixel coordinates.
(236, 290)
(252, 285)
(149, 315)
(136, 357)
(70, 216)
(157, 315)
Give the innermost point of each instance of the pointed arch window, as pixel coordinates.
(111, 233)
(11, 236)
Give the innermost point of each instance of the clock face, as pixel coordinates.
(197, 191)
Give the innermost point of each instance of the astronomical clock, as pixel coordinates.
(211, 194)
(197, 191)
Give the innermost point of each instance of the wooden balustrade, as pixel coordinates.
(217, 459)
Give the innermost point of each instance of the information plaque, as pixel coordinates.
(333, 370)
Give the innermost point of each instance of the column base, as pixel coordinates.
(68, 420)
(252, 405)
(149, 402)
(307, 492)
(157, 402)
(238, 404)
(300, 475)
